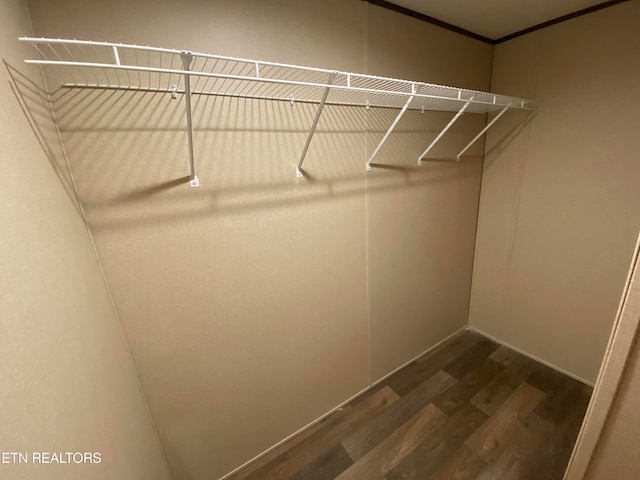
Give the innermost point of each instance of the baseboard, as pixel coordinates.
(382, 379)
(289, 437)
(533, 357)
(338, 407)
(433, 347)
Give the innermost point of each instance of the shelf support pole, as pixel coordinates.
(323, 100)
(116, 56)
(393, 125)
(444, 130)
(483, 131)
(187, 58)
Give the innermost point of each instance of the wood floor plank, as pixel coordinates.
(407, 379)
(468, 386)
(388, 453)
(545, 378)
(550, 462)
(472, 357)
(518, 453)
(433, 453)
(276, 452)
(362, 440)
(328, 465)
(334, 430)
(496, 392)
(557, 402)
(490, 439)
(504, 355)
(501, 415)
(464, 464)
(456, 347)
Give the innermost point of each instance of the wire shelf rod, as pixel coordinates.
(218, 93)
(168, 50)
(262, 79)
(315, 124)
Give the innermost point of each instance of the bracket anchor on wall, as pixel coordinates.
(187, 58)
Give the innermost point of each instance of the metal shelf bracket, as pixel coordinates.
(393, 125)
(483, 131)
(187, 58)
(444, 130)
(323, 100)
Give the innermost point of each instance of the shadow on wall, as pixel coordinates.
(38, 110)
(510, 131)
(128, 154)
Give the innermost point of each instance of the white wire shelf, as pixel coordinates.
(106, 65)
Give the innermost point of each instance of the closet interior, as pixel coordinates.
(280, 259)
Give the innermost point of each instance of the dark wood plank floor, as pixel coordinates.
(471, 409)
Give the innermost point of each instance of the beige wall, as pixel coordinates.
(558, 210)
(67, 382)
(259, 301)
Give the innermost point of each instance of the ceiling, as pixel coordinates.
(495, 19)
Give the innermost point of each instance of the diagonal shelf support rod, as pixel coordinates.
(444, 130)
(483, 131)
(393, 125)
(332, 77)
(186, 63)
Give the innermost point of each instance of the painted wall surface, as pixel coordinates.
(67, 380)
(258, 302)
(558, 210)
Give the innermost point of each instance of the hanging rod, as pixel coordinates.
(298, 83)
(90, 64)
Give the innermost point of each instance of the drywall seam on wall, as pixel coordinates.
(367, 218)
(515, 214)
(367, 266)
(475, 238)
(81, 211)
(533, 357)
(514, 225)
(482, 169)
